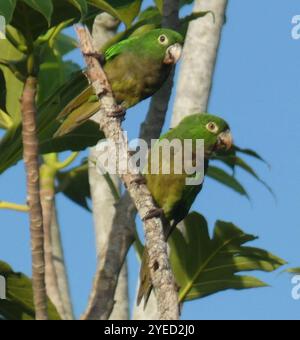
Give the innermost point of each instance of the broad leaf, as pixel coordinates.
(10, 98)
(42, 14)
(7, 8)
(85, 136)
(251, 153)
(235, 162)
(224, 178)
(75, 185)
(19, 303)
(81, 5)
(125, 10)
(205, 266)
(44, 7)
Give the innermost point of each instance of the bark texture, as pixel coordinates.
(31, 159)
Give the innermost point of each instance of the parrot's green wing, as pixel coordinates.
(84, 96)
(118, 48)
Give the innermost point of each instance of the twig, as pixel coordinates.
(161, 273)
(13, 206)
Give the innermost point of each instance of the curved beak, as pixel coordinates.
(225, 141)
(173, 54)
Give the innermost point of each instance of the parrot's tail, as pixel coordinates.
(146, 286)
(77, 117)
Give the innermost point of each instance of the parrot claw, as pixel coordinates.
(97, 56)
(140, 180)
(119, 112)
(154, 213)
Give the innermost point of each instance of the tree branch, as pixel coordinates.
(55, 273)
(31, 154)
(161, 273)
(105, 193)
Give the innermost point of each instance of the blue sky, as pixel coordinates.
(256, 89)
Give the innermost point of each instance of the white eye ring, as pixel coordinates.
(212, 127)
(163, 39)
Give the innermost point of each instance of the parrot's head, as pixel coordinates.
(216, 134)
(164, 45)
(213, 130)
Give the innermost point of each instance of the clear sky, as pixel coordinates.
(256, 88)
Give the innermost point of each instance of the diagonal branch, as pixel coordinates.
(161, 273)
(105, 193)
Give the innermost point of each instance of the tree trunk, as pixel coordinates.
(198, 64)
(31, 159)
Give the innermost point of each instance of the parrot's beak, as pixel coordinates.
(173, 54)
(225, 141)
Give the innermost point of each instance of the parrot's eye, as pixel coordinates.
(212, 127)
(163, 39)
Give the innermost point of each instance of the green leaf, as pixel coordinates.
(54, 71)
(75, 185)
(81, 5)
(7, 8)
(252, 154)
(236, 162)
(125, 10)
(160, 5)
(65, 44)
(5, 121)
(294, 271)
(19, 303)
(11, 89)
(68, 10)
(85, 136)
(45, 7)
(205, 266)
(224, 178)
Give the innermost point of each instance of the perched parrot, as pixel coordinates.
(136, 68)
(171, 193)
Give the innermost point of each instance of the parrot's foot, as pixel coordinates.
(154, 213)
(139, 180)
(96, 55)
(119, 112)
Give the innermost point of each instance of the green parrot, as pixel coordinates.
(171, 193)
(136, 68)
